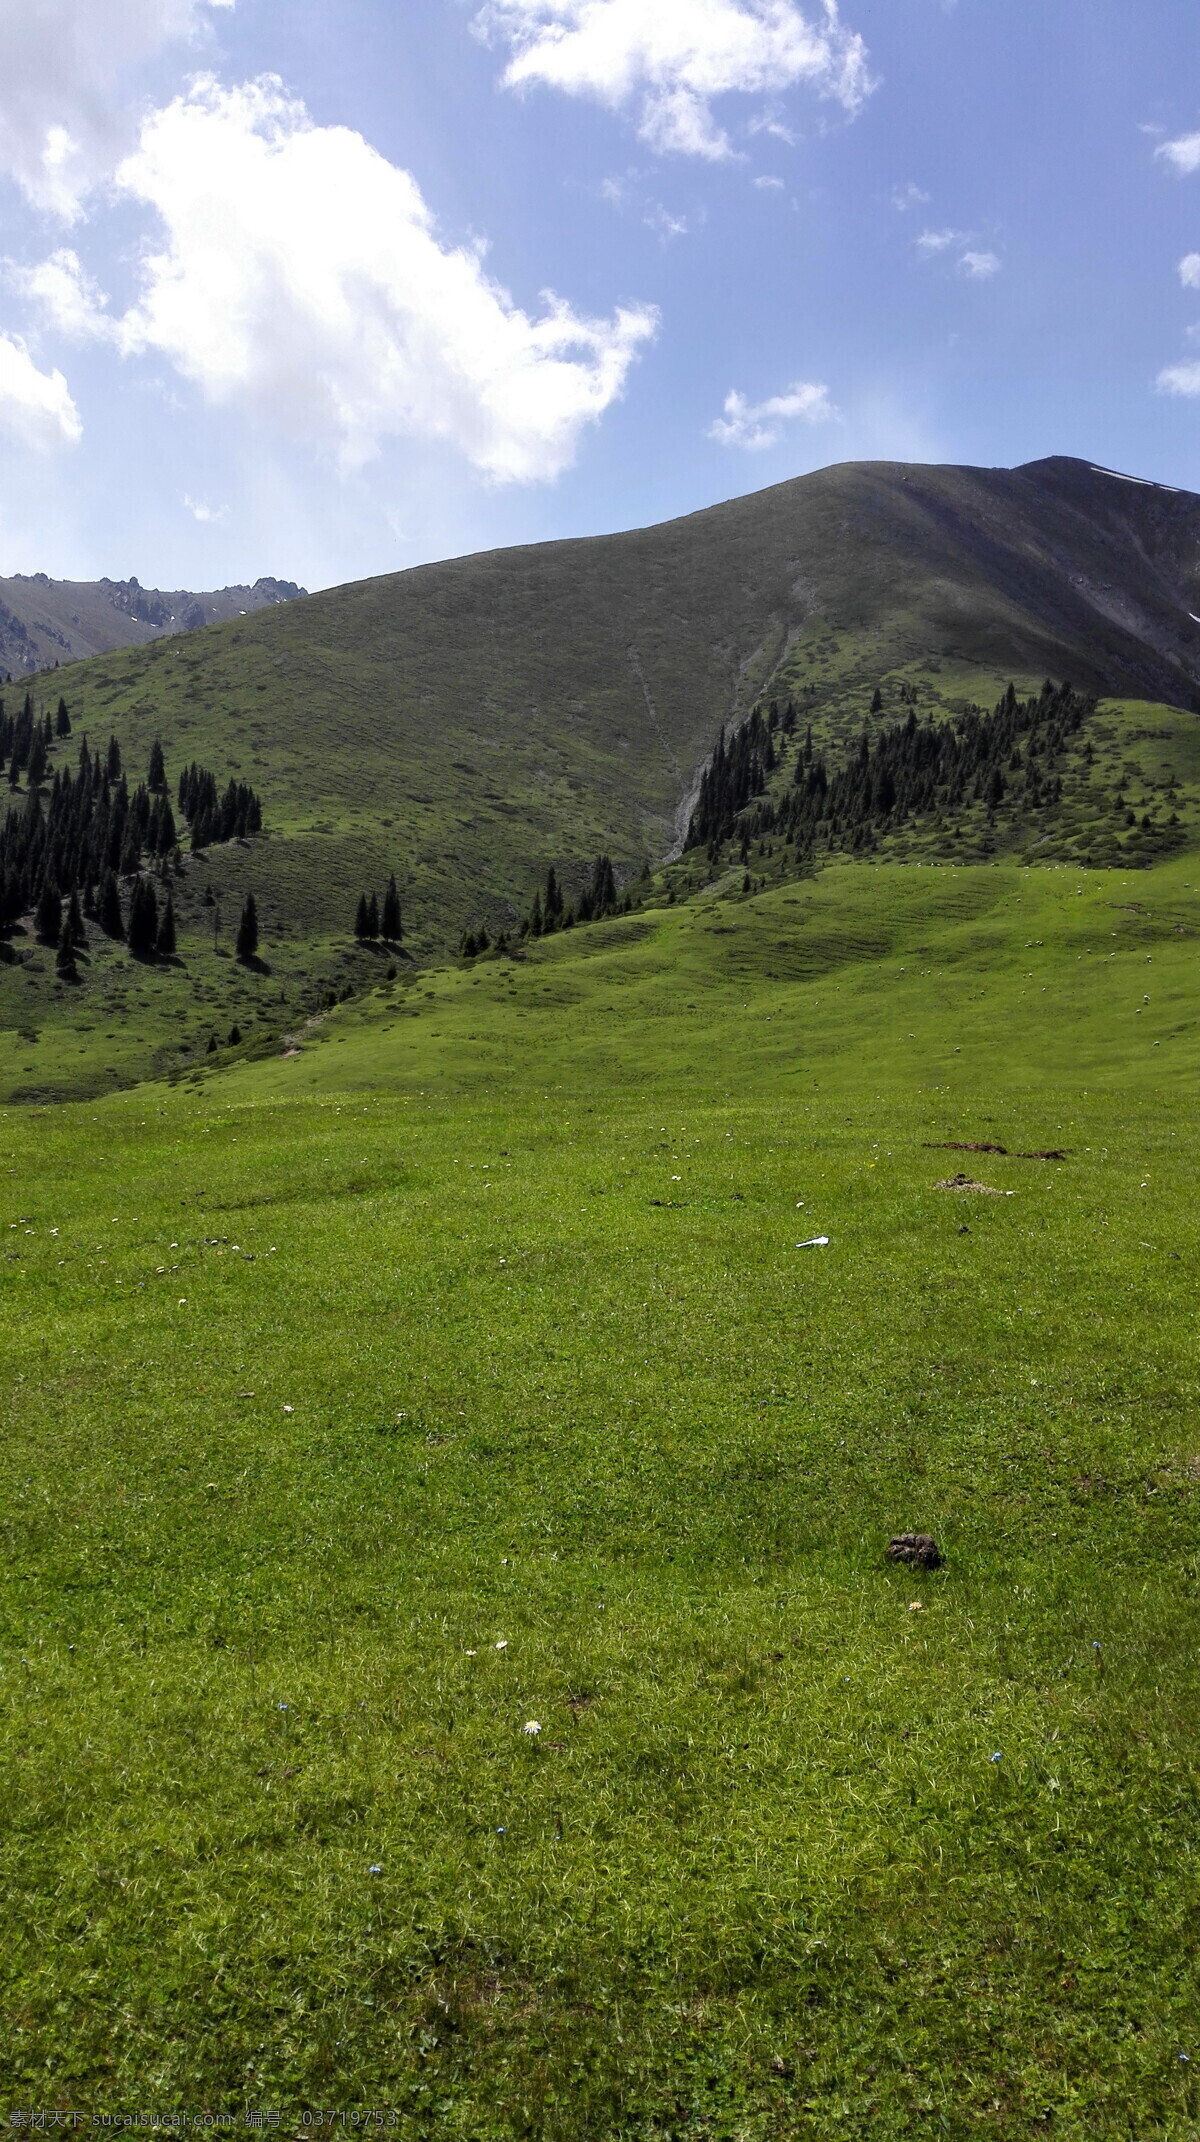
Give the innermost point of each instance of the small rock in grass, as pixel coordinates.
(918, 1549)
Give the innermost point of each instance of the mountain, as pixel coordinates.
(44, 621)
(467, 723)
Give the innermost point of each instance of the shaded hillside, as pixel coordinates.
(44, 621)
(467, 722)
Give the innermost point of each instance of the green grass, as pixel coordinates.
(480, 1322)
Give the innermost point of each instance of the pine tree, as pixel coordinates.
(235, 1035)
(37, 761)
(48, 918)
(390, 925)
(143, 920)
(247, 935)
(64, 958)
(157, 776)
(165, 946)
(877, 702)
(62, 720)
(360, 918)
(74, 923)
(131, 848)
(110, 907)
(112, 764)
(372, 917)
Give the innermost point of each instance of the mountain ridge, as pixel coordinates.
(44, 621)
(468, 722)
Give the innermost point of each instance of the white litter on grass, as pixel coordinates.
(814, 1242)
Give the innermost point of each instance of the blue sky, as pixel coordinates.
(327, 290)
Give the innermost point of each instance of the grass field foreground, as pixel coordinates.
(461, 1374)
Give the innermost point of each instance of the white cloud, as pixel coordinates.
(67, 295)
(906, 197)
(61, 124)
(1189, 271)
(301, 277)
(1183, 155)
(203, 513)
(667, 60)
(1180, 379)
(977, 265)
(36, 408)
(753, 426)
(931, 242)
(769, 185)
(663, 223)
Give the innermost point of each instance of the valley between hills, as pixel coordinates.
(449, 1660)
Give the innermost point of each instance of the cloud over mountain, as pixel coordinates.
(754, 426)
(36, 408)
(668, 62)
(62, 121)
(300, 275)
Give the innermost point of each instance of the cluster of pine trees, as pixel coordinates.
(736, 773)
(371, 922)
(598, 898)
(211, 817)
(909, 769)
(25, 741)
(71, 844)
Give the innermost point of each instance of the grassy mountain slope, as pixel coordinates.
(44, 621)
(125, 1020)
(468, 723)
(472, 721)
(461, 1372)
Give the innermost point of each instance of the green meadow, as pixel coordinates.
(459, 1373)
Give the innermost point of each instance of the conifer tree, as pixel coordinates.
(390, 924)
(37, 761)
(74, 923)
(361, 917)
(157, 776)
(131, 848)
(372, 917)
(247, 935)
(48, 918)
(112, 764)
(165, 946)
(62, 720)
(877, 702)
(64, 958)
(143, 919)
(235, 1035)
(111, 921)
